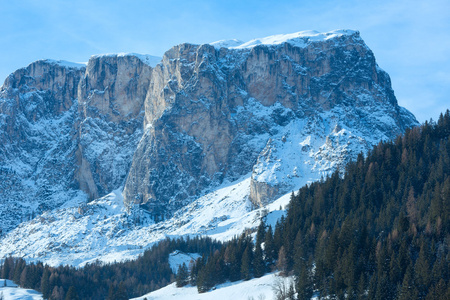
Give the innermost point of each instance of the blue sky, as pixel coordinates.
(410, 39)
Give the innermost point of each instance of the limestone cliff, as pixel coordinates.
(111, 95)
(68, 132)
(38, 107)
(211, 111)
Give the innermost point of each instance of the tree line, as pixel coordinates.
(119, 280)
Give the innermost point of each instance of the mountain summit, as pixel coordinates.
(287, 108)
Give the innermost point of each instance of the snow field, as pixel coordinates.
(12, 292)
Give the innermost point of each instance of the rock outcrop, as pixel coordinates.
(38, 107)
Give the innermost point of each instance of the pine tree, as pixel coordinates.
(246, 264)
(258, 262)
(45, 284)
(71, 294)
(182, 275)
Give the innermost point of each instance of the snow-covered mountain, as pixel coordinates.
(108, 158)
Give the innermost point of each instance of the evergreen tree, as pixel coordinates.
(246, 263)
(45, 284)
(258, 262)
(121, 293)
(261, 232)
(72, 294)
(408, 289)
(111, 292)
(269, 248)
(182, 275)
(304, 283)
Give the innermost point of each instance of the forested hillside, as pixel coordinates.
(381, 231)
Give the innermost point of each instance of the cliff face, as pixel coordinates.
(68, 132)
(111, 96)
(37, 110)
(284, 110)
(288, 113)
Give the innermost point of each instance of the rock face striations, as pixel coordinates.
(289, 109)
(284, 110)
(111, 96)
(68, 132)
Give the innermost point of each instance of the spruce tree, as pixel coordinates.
(45, 284)
(246, 263)
(182, 277)
(269, 248)
(259, 266)
(72, 294)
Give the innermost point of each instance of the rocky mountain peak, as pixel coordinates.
(211, 109)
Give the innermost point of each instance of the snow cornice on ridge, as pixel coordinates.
(298, 39)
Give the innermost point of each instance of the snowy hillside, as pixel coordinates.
(104, 230)
(11, 291)
(257, 289)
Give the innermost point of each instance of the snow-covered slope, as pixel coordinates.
(12, 291)
(177, 258)
(104, 230)
(257, 288)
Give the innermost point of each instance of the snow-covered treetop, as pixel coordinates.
(299, 39)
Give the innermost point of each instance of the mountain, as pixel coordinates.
(196, 139)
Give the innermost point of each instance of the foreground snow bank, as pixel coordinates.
(12, 292)
(257, 288)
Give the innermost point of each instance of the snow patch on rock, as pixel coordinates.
(149, 60)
